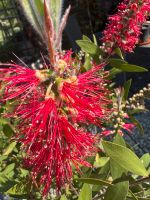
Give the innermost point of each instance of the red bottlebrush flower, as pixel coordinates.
(87, 97)
(53, 144)
(50, 108)
(19, 81)
(124, 27)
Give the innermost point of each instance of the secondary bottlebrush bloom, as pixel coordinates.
(51, 108)
(124, 27)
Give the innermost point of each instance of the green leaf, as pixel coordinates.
(118, 139)
(115, 62)
(8, 130)
(113, 72)
(55, 12)
(103, 174)
(24, 172)
(95, 40)
(63, 197)
(132, 68)
(117, 192)
(3, 121)
(100, 161)
(116, 170)
(94, 181)
(125, 158)
(40, 7)
(86, 193)
(119, 53)
(124, 66)
(9, 170)
(3, 179)
(6, 184)
(10, 148)
(137, 123)
(87, 63)
(3, 158)
(31, 11)
(86, 38)
(90, 48)
(145, 160)
(127, 86)
(18, 190)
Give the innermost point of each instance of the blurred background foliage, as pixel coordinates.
(18, 36)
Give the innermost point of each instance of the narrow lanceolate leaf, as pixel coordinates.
(119, 53)
(124, 66)
(9, 170)
(95, 40)
(55, 8)
(84, 37)
(10, 148)
(94, 181)
(33, 11)
(49, 27)
(146, 160)
(86, 193)
(115, 62)
(125, 158)
(115, 169)
(132, 68)
(87, 63)
(62, 25)
(113, 72)
(117, 192)
(19, 190)
(127, 86)
(40, 7)
(90, 48)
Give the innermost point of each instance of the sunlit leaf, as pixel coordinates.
(86, 193)
(10, 148)
(117, 192)
(145, 160)
(125, 158)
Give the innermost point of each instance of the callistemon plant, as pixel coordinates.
(124, 27)
(54, 105)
